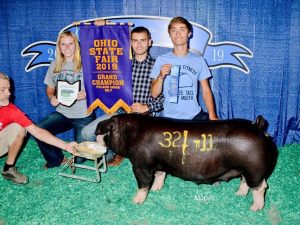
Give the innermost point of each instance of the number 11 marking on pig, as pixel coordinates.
(198, 141)
(169, 141)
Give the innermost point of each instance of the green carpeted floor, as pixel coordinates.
(52, 199)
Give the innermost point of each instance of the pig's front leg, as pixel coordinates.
(259, 196)
(159, 180)
(140, 196)
(144, 178)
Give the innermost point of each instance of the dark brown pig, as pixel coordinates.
(198, 151)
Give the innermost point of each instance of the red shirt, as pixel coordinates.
(11, 114)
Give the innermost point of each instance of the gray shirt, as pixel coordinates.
(79, 108)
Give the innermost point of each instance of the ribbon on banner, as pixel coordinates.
(106, 63)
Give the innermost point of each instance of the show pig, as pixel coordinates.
(198, 151)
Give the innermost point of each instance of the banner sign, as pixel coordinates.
(217, 55)
(106, 64)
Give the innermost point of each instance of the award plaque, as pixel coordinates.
(67, 92)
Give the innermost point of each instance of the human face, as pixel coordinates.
(4, 92)
(140, 43)
(67, 47)
(179, 34)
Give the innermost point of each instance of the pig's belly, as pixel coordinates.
(204, 173)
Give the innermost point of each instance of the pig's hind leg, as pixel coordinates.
(258, 194)
(258, 186)
(159, 180)
(255, 177)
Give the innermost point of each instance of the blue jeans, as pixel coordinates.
(57, 123)
(88, 133)
(201, 116)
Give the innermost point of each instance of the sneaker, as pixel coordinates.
(13, 175)
(116, 160)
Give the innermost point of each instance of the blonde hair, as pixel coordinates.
(60, 58)
(3, 76)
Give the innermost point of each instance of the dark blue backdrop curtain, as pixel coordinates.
(269, 28)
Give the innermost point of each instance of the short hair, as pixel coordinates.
(180, 19)
(141, 29)
(3, 76)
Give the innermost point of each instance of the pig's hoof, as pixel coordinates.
(138, 200)
(159, 181)
(156, 187)
(140, 196)
(216, 183)
(257, 206)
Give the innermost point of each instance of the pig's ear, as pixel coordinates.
(104, 127)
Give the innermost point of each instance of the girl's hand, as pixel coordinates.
(53, 101)
(81, 95)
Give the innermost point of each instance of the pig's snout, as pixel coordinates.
(100, 139)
